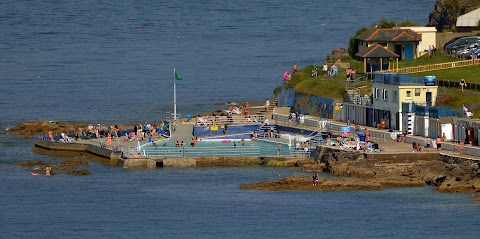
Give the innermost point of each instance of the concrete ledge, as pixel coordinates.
(179, 162)
(138, 163)
(79, 148)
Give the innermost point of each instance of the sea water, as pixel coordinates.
(112, 62)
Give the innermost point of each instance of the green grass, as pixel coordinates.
(334, 87)
(423, 60)
(455, 99)
(358, 65)
(470, 73)
(330, 87)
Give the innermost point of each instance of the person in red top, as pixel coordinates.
(294, 68)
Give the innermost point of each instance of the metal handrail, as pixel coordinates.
(233, 120)
(307, 124)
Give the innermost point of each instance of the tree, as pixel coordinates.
(352, 44)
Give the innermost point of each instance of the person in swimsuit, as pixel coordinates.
(48, 171)
(463, 84)
(315, 179)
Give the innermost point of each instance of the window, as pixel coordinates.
(375, 93)
(409, 94)
(394, 98)
(417, 92)
(385, 96)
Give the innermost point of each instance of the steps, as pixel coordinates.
(273, 104)
(261, 131)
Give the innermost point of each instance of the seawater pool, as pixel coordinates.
(219, 147)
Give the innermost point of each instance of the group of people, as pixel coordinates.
(269, 132)
(350, 74)
(305, 146)
(299, 118)
(333, 70)
(429, 143)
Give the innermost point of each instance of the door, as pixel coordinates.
(369, 117)
(408, 50)
(428, 99)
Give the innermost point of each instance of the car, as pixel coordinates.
(449, 43)
(476, 53)
(460, 53)
(461, 43)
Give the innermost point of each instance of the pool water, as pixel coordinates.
(219, 147)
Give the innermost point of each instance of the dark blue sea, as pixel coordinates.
(112, 62)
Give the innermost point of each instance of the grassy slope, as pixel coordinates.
(470, 73)
(455, 99)
(333, 87)
(358, 65)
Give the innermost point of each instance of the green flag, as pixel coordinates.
(177, 76)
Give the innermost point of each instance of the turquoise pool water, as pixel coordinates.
(220, 147)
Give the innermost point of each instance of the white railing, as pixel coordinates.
(233, 120)
(181, 152)
(305, 122)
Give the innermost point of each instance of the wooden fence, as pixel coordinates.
(435, 67)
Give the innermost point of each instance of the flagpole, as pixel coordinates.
(174, 98)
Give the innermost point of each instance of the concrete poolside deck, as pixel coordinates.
(184, 131)
(381, 136)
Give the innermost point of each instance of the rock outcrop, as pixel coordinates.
(354, 172)
(445, 13)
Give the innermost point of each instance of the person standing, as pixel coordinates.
(295, 68)
(315, 72)
(325, 69)
(267, 105)
(279, 148)
(439, 143)
(50, 136)
(463, 84)
(109, 139)
(428, 142)
(461, 147)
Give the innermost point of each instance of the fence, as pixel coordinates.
(434, 67)
(304, 122)
(240, 150)
(231, 120)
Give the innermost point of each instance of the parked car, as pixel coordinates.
(449, 43)
(476, 53)
(461, 43)
(461, 53)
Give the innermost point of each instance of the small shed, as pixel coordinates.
(375, 57)
(467, 21)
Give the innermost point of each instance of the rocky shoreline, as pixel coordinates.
(353, 172)
(69, 167)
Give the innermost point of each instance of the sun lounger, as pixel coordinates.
(66, 139)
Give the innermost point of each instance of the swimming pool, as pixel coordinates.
(219, 147)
